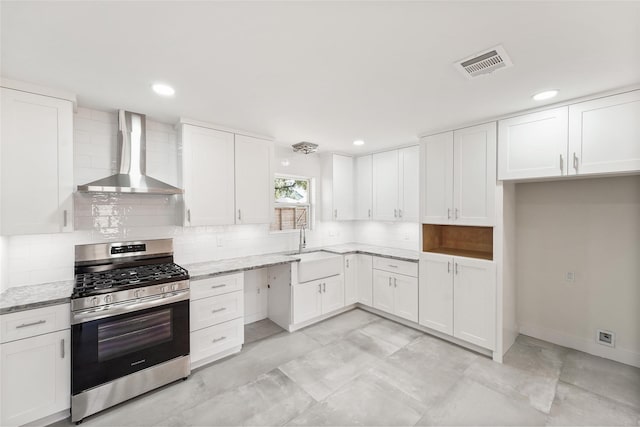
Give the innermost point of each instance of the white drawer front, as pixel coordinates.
(29, 323)
(210, 311)
(395, 266)
(217, 285)
(216, 339)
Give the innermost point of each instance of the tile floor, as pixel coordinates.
(360, 369)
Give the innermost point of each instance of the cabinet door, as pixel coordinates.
(385, 185)
(363, 187)
(383, 291)
(36, 163)
(342, 187)
(350, 279)
(405, 297)
(409, 195)
(474, 301)
(208, 176)
(254, 181)
(36, 378)
(307, 300)
(474, 178)
(365, 279)
(436, 292)
(332, 293)
(437, 154)
(604, 135)
(533, 145)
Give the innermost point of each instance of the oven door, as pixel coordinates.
(140, 336)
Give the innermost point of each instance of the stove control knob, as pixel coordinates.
(137, 294)
(174, 287)
(108, 299)
(94, 301)
(163, 289)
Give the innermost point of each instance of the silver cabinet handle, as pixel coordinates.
(392, 266)
(448, 213)
(400, 213)
(64, 218)
(347, 261)
(456, 268)
(218, 339)
(395, 213)
(319, 288)
(239, 215)
(335, 213)
(369, 213)
(456, 213)
(389, 280)
(218, 310)
(561, 163)
(575, 162)
(189, 215)
(62, 348)
(324, 288)
(395, 282)
(219, 286)
(24, 325)
(448, 267)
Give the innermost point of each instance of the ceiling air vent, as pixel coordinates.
(484, 62)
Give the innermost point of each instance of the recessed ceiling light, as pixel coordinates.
(163, 90)
(547, 94)
(358, 142)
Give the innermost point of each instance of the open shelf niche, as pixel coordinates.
(459, 240)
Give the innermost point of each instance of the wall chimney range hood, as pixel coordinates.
(132, 162)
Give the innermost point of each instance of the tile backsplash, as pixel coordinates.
(113, 217)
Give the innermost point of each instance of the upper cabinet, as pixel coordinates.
(604, 135)
(460, 176)
(533, 145)
(363, 187)
(254, 180)
(36, 156)
(337, 188)
(395, 194)
(593, 137)
(227, 177)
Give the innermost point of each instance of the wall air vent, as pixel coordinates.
(484, 62)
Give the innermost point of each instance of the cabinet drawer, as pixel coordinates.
(29, 323)
(395, 266)
(217, 309)
(216, 339)
(217, 285)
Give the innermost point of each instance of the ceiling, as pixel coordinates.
(325, 72)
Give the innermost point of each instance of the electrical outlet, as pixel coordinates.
(607, 338)
(219, 241)
(570, 276)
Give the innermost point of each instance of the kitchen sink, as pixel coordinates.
(316, 265)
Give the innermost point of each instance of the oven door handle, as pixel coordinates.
(128, 307)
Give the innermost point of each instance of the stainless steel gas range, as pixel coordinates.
(129, 323)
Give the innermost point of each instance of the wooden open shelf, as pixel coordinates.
(459, 240)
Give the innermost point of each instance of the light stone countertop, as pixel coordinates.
(19, 298)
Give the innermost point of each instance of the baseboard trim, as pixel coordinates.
(298, 326)
(50, 419)
(622, 355)
(208, 360)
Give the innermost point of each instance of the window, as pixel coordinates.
(292, 203)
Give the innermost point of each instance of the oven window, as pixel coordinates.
(134, 333)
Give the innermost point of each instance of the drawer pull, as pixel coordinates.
(218, 339)
(392, 266)
(62, 348)
(218, 310)
(24, 325)
(219, 286)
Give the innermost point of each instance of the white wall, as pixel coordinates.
(590, 227)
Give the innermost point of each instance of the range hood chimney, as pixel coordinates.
(132, 162)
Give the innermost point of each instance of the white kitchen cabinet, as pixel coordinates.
(395, 293)
(317, 297)
(458, 297)
(604, 135)
(208, 175)
(363, 187)
(35, 377)
(337, 188)
(36, 159)
(350, 279)
(460, 176)
(395, 184)
(254, 180)
(365, 279)
(533, 145)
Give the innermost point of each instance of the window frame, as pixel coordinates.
(310, 204)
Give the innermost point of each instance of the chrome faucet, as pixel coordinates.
(303, 239)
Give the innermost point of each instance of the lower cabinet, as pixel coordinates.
(317, 297)
(458, 297)
(216, 317)
(365, 279)
(35, 372)
(350, 279)
(396, 294)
